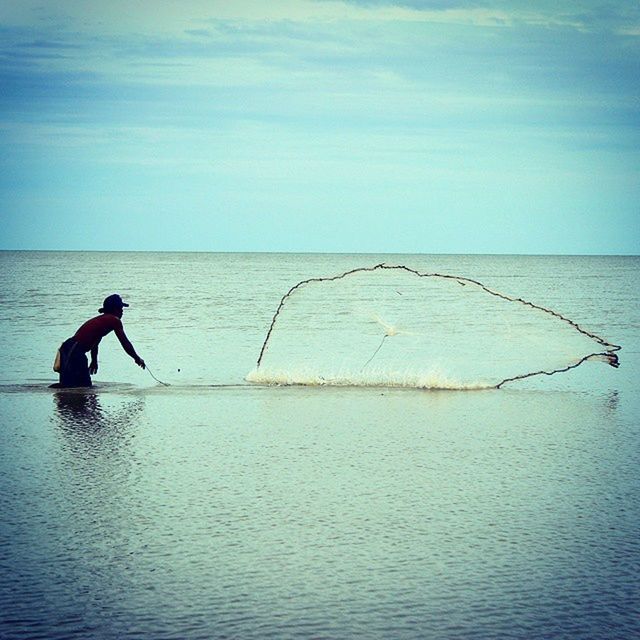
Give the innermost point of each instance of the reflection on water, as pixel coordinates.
(88, 426)
(78, 409)
(261, 513)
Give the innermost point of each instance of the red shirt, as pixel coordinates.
(92, 331)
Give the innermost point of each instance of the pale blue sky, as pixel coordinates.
(462, 126)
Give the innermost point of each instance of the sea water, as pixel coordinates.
(217, 508)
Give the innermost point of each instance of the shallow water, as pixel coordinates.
(217, 509)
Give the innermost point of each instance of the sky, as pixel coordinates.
(374, 126)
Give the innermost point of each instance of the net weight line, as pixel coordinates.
(375, 353)
(609, 355)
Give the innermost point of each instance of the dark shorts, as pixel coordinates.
(74, 367)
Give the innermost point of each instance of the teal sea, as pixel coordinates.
(217, 507)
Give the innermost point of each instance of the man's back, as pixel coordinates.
(92, 331)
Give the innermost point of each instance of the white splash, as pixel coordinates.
(374, 378)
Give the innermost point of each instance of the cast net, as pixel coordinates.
(394, 326)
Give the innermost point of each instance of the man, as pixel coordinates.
(73, 368)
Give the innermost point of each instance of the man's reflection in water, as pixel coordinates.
(78, 409)
(97, 484)
(91, 428)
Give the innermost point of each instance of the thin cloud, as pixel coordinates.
(613, 16)
(405, 106)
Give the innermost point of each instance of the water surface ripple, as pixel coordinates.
(196, 511)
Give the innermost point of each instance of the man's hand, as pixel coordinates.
(93, 367)
(140, 363)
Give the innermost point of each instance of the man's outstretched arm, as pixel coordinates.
(128, 347)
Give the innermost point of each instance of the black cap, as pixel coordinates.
(112, 303)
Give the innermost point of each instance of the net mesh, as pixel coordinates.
(391, 325)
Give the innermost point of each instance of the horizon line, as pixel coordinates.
(337, 253)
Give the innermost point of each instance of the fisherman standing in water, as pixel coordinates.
(73, 367)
